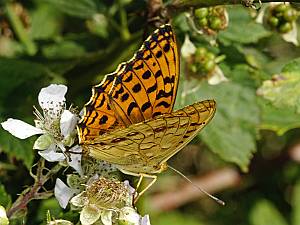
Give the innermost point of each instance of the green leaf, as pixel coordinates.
(292, 66)
(277, 120)
(242, 28)
(46, 22)
(77, 8)
(5, 199)
(231, 133)
(296, 204)
(283, 90)
(265, 213)
(16, 72)
(63, 50)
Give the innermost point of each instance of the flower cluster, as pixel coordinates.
(101, 198)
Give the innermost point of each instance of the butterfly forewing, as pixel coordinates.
(143, 147)
(138, 90)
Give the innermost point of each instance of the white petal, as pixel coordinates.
(80, 200)
(53, 96)
(68, 122)
(62, 193)
(188, 48)
(129, 216)
(261, 14)
(145, 220)
(130, 189)
(60, 222)
(20, 129)
(217, 77)
(90, 214)
(292, 36)
(51, 155)
(3, 216)
(106, 216)
(131, 192)
(75, 161)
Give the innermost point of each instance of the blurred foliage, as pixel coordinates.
(256, 125)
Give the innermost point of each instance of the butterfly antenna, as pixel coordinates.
(200, 189)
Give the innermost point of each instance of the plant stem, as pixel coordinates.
(20, 30)
(182, 5)
(32, 192)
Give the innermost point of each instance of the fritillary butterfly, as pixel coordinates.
(129, 120)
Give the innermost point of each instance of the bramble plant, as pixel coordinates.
(244, 56)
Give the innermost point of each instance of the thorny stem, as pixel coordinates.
(32, 192)
(183, 5)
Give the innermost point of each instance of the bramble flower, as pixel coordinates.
(56, 125)
(108, 201)
(215, 75)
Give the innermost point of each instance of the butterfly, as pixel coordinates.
(129, 120)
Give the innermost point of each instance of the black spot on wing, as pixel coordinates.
(146, 75)
(164, 104)
(136, 88)
(145, 106)
(103, 119)
(152, 88)
(158, 54)
(131, 106)
(166, 47)
(158, 74)
(124, 97)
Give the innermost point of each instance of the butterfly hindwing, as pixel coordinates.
(143, 147)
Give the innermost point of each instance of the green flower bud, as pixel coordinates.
(215, 23)
(290, 15)
(202, 22)
(273, 21)
(200, 53)
(286, 27)
(280, 8)
(209, 65)
(210, 56)
(201, 12)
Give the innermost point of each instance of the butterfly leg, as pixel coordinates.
(153, 177)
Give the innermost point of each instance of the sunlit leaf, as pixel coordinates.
(283, 90)
(242, 28)
(278, 120)
(236, 119)
(264, 212)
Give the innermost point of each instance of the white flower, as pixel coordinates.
(3, 216)
(292, 36)
(63, 193)
(103, 197)
(55, 123)
(217, 76)
(188, 48)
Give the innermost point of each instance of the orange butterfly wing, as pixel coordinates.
(139, 89)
